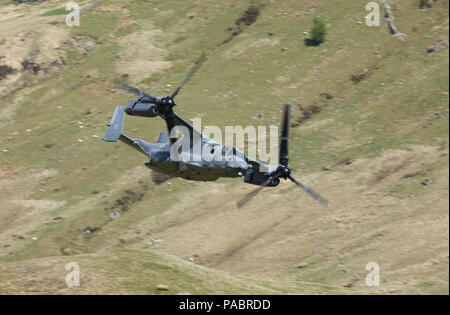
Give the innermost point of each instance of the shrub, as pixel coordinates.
(425, 3)
(4, 71)
(249, 16)
(318, 33)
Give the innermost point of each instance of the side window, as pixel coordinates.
(228, 153)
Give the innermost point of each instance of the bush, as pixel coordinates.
(4, 71)
(425, 4)
(249, 16)
(318, 33)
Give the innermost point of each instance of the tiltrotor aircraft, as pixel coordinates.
(189, 164)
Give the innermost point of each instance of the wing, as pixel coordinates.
(194, 135)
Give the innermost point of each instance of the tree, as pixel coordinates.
(318, 33)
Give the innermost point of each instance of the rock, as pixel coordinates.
(302, 265)
(356, 277)
(436, 47)
(328, 96)
(162, 287)
(114, 215)
(154, 240)
(59, 62)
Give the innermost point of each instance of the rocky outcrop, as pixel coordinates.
(390, 21)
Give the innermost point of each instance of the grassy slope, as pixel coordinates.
(386, 124)
(131, 271)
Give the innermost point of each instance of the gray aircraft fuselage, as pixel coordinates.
(202, 159)
(211, 162)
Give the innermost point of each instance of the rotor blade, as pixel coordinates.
(251, 194)
(311, 192)
(284, 139)
(128, 89)
(194, 69)
(132, 90)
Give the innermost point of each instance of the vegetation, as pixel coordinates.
(318, 32)
(4, 71)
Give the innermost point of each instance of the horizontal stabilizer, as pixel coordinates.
(115, 128)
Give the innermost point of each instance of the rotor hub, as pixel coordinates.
(166, 104)
(283, 172)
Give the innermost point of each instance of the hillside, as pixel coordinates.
(370, 133)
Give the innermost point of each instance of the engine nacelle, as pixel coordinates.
(136, 108)
(258, 178)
